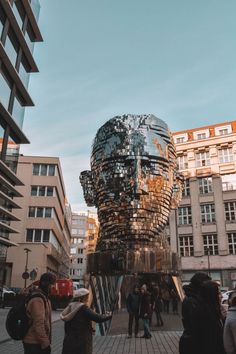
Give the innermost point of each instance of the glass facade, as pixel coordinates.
(18, 112)
(35, 5)
(5, 91)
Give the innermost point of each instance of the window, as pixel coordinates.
(42, 191)
(80, 250)
(229, 182)
(40, 212)
(5, 90)
(11, 47)
(37, 235)
(29, 235)
(208, 213)
(185, 215)
(210, 244)
(74, 231)
(232, 243)
(80, 260)
(186, 188)
(91, 237)
(230, 211)
(19, 12)
(81, 232)
(186, 246)
(223, 131)
(202, 159)
(180, 140)
(73, 250)
(225, 155)
(205, 185)
(43, 170)
(201, 136)
(182, 162)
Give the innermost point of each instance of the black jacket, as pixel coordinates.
(78, 331)
(203, 330)
(133, 302)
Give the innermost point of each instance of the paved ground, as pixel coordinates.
(162, 342)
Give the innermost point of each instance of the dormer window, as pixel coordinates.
(223, 130)
(201, 134)
(181, 138)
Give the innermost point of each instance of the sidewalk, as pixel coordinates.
(161, 343)
(3, 314)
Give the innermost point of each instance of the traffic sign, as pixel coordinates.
(25, 275)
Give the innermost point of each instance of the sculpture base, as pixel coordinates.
(132, 262)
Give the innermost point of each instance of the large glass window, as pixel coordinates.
(11, 47)
(210, 244)
(226, 155)
(29, 37)
(29, 235)
(230, 211)
(205, 185)
(203, 159)
(208, 213)
(37, 235)
(5, 90)
(24, 75)
(40, 212)
(35, 5)
(185, 215)
(229, 182)
(18, 112)
(186, 246)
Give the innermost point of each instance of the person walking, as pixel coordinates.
(78, 319)
(190, 307)
(157, 308)
(229, 336)
(166, 299)
(38, 337)
(145, 311)
(132, 305)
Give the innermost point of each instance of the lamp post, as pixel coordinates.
(208, 261)
(27, 250)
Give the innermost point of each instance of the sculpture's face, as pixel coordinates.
(133, 173)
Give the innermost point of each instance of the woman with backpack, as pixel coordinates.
(78, 319)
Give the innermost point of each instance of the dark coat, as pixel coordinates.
(78, 331)
(145, 306)
(203, 330)
(133, 302)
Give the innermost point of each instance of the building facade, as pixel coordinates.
(84, 236)
(203, 229)
(18, 33)
(45, 221)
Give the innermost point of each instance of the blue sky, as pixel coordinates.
(175, 59)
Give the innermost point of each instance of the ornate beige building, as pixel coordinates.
(203, 229)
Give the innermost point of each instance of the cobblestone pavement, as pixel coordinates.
(162, 342)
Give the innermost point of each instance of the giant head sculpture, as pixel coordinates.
(133, 181)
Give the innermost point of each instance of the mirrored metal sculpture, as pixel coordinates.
(134, 183)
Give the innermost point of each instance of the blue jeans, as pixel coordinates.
(146, 328)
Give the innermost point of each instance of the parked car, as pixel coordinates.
(226, 295)
(6, 290)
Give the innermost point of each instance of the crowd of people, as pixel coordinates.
(209, 328)
(143, 302)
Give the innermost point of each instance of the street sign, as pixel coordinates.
(25, 275)
(33, 274)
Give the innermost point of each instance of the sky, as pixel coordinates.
(101, 58)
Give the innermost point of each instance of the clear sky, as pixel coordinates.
(100, 58)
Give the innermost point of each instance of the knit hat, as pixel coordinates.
(80, 292)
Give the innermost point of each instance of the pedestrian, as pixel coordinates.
(190, 306)
(132, 305)
(166, 299)
(157, 308)
(145, 311)
(38, 337)
(175, 301)
(78, 319)
(230, 327)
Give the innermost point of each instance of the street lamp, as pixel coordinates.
(208, 261)
(27, 250)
